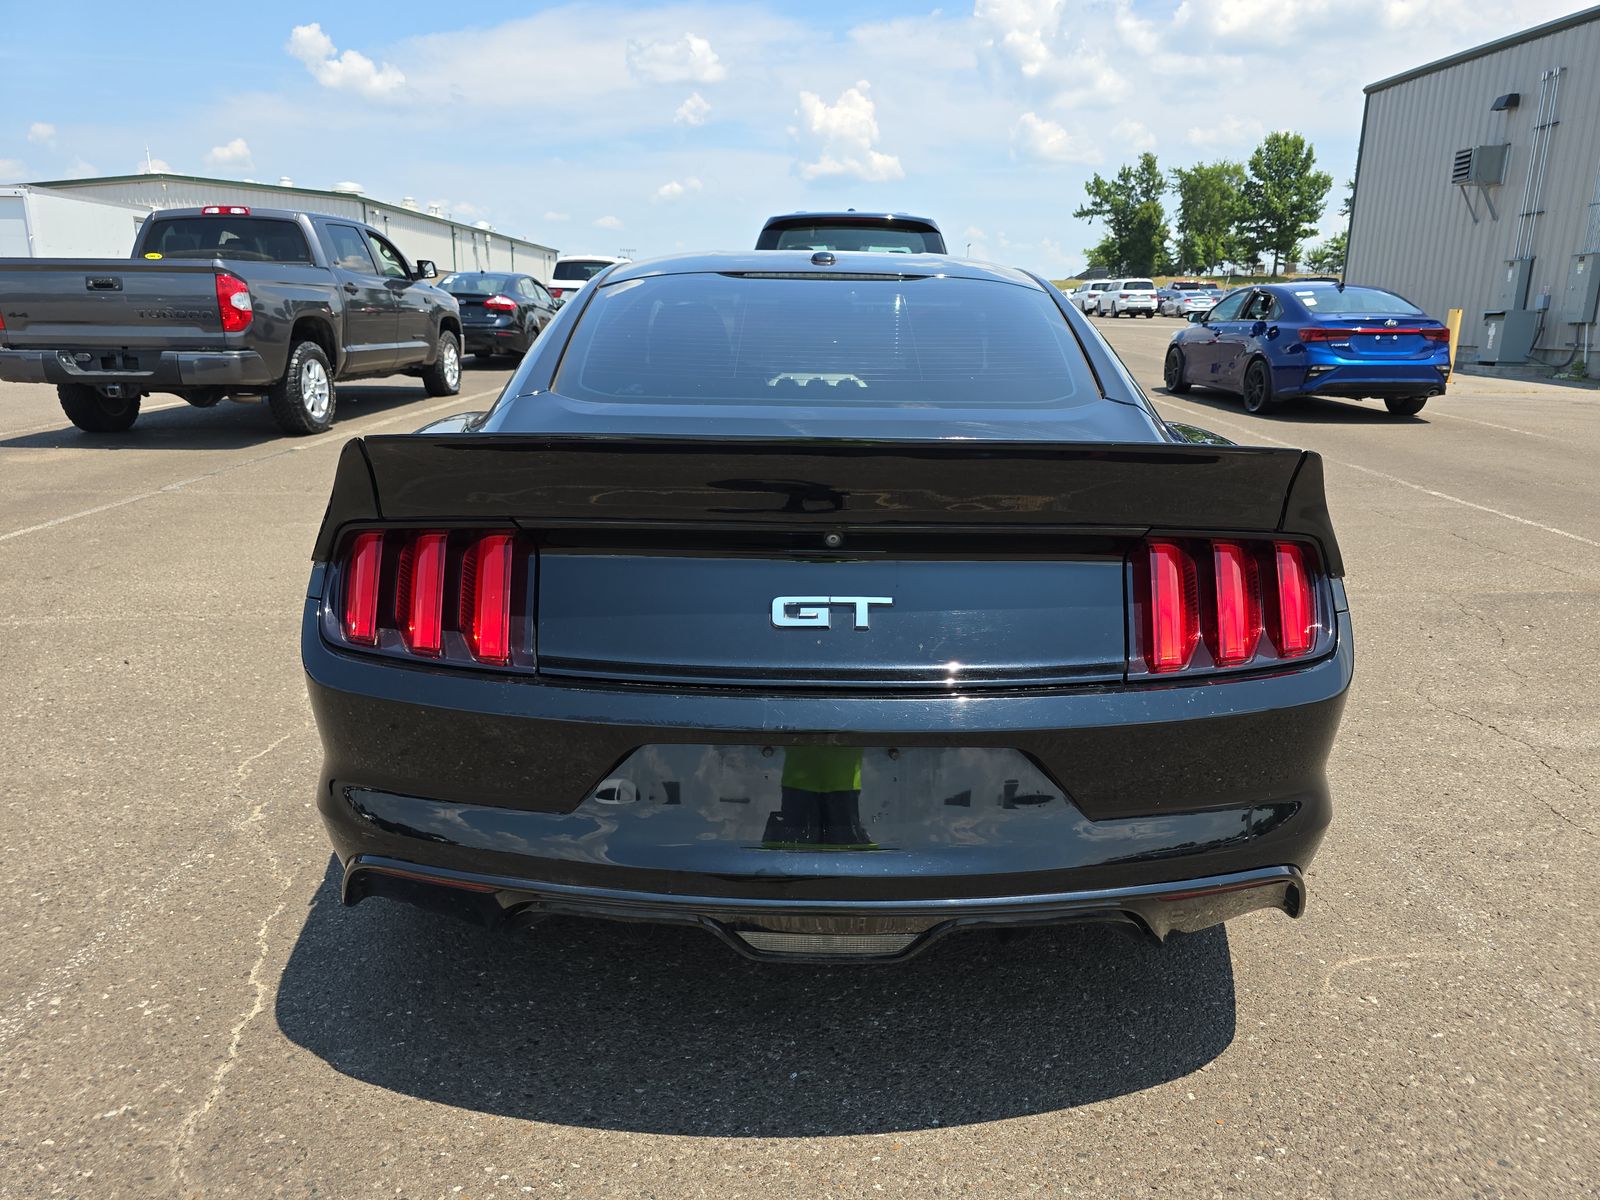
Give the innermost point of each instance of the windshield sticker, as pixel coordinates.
(152, 254)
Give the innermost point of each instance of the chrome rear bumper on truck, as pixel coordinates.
(148, 370)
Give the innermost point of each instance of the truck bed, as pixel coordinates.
(110, 303)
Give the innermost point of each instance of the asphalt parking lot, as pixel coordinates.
(186, 1011)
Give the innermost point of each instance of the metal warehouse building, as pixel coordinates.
(1478, 187)
(96, 218)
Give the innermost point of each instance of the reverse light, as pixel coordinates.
(1172, 611)
(1295, 627)
(486, 598)
(225, 210)
(420, 593)
(1235, 632)
(361, 588)
(501, 303)
(234, 304)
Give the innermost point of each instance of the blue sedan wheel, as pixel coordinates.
(1172, 371)
(1258, 397)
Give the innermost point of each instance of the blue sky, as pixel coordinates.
(658, 127)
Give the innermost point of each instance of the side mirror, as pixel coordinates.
(1197, 318)
(424, 269)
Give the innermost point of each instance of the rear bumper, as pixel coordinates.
(487, 337)
(451, 775)
(1357, 380)
(157, 371)
(831, 930)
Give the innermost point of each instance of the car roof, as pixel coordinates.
(804, 217)
(609, 258)
(800, 262)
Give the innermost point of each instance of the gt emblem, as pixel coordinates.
(794, 612)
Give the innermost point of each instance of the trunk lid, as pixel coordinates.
(1383, 337)
(825, 563)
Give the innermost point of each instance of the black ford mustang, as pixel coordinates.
(829, 602)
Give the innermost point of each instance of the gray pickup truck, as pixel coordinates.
(225, 301)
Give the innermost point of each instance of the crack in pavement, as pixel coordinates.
(259, 987)
(1538, 755)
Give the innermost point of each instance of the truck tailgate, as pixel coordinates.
(91, 303)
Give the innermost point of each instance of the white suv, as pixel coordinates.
(1085, 294)
(573, 271)
(1132, 296)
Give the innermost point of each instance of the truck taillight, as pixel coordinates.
(450, 597)
(234, 305)
(501, 304)
(1202, 604)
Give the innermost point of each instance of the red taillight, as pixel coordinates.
(1315, 333)
(556, 293)
(1440, 334)
(1172, 609)
(234, 305)
(361, 588)
(225, 210)
(420, 593)
(486, 598)
(1296, 609)
(1236, 631)
(1123, 296)
(501, 303)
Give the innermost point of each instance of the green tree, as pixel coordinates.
(1209, 206)
(1349, 204)
(1284, 197)
(1136, 224)
(1328, 258)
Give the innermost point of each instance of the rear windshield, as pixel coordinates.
(1355, 302)
(472, 283)
(250, 239)
(869, 342)
(580, 268)
(876, 238)
(1139, 285)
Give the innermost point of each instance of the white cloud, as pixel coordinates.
(153, 166)
(80, 169)
(11, 170)
(351, 71)
(1021, 30)
(692, 111)
(235, 154)
(1050, 142)
(673, 190)
(690, 59)
(607, 223)
(1238, 132)
(845, 132)
(42, 133)
(1132, 136)
(557, 216)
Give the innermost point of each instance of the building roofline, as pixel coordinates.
(295, 189)
(1570, 21)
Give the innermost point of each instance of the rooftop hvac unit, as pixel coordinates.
(1480, 166)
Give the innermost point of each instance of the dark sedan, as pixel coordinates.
(500, 313)
(1272, 343)
(830, 603)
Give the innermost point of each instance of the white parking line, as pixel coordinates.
(323, 440)
(1257, 435)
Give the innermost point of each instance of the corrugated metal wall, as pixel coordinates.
(450, 244)
(1411, 230)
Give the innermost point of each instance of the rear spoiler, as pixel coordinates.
(544, 481)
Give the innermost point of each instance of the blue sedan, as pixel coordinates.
(1271, 343)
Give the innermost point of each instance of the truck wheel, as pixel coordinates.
(303, 400)
(93, 412)
(443, 378)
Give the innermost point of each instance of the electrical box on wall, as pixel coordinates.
(1582, 296)
(1512, 292)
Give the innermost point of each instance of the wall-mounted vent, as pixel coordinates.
(1480, 166)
